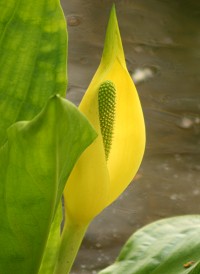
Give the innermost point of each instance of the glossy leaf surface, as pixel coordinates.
(33, 43)
(52, 247)
(169, 246)
(34, 166)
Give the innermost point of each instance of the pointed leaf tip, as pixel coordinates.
(113, 10)
(113, 48)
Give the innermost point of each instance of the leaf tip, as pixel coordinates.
(113, 45)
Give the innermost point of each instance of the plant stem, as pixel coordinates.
(72, 237)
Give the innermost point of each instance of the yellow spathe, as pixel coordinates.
(95, 181)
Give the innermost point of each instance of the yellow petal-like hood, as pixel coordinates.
(129, 133)
(97, 180)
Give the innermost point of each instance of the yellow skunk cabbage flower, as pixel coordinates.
(112, 106)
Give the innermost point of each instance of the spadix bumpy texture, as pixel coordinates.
(112, 106)
(106, 107)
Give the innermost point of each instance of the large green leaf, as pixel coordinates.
(34, 166)
(169, 246)
(33, 43)
(195, 269)
(53, 244)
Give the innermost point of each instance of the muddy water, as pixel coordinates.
(162, 46)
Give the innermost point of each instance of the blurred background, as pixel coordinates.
(161, 41)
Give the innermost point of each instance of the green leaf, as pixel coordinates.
(34, 166)
(163, 247)
(195, 269)
(33, 43)
(53, 244)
